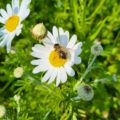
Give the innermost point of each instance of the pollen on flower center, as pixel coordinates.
(55, 59)
(12, 23)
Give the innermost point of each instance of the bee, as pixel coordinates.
(61, 51)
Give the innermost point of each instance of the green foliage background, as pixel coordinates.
(90, 20)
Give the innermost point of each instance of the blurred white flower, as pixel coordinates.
(13, 51)
(12, 18)
(56, 61)
(16, 98)
(2, 111)
(18, 72)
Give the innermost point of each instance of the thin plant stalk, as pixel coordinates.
(85, 73)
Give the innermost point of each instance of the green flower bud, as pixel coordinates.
(85, 92)
(96, 49)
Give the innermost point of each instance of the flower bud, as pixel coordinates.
(18, 72)
(13, 51)
(96, 49)
(2, 111)
(16, 98)
(39, 31)
(85, 92)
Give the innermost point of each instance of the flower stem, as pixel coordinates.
(40, 84)
(75, 14)
(75, 98)
(18, 109)
(85, 73)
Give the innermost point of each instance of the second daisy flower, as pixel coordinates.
(12, 18)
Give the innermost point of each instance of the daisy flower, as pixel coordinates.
(49, 59)
(12, 18)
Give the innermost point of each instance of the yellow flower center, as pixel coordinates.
(12, 23)
(55, 59)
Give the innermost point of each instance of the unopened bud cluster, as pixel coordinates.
(85, 92)
(39, 31)
(96, 49)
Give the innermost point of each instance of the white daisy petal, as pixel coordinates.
(35, 49)
(9, 9)
(72, 41)
(15, 6)
(18, 32)
(2, 20)
(58, 77)
(61, 31)
(63, 75)
(41, 48)
(78, 51)
(26, 14)
(46, 41)
(2, 29)
(9, 42)
(69, 70)
(47, 75)
(4, 14)
(77, 48)
(63, 38)
(2, 36)
(16, 3)
(39, 61)
(20, 26)
(38, 55)
(55, 34)
(8, 46)
(67, 33)
(77, 60)
(41, 67)
(71, 56)
(50, 36)
(53, 75)
(4, 40)
(23, 8)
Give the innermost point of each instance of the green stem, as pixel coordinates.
(39, 83)
(85, 73)
(87, 70)
(97, 9)
(116, 39)
(75, 98)
(5, 86)
(83, 6)
(18, 109)
(75, 14)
